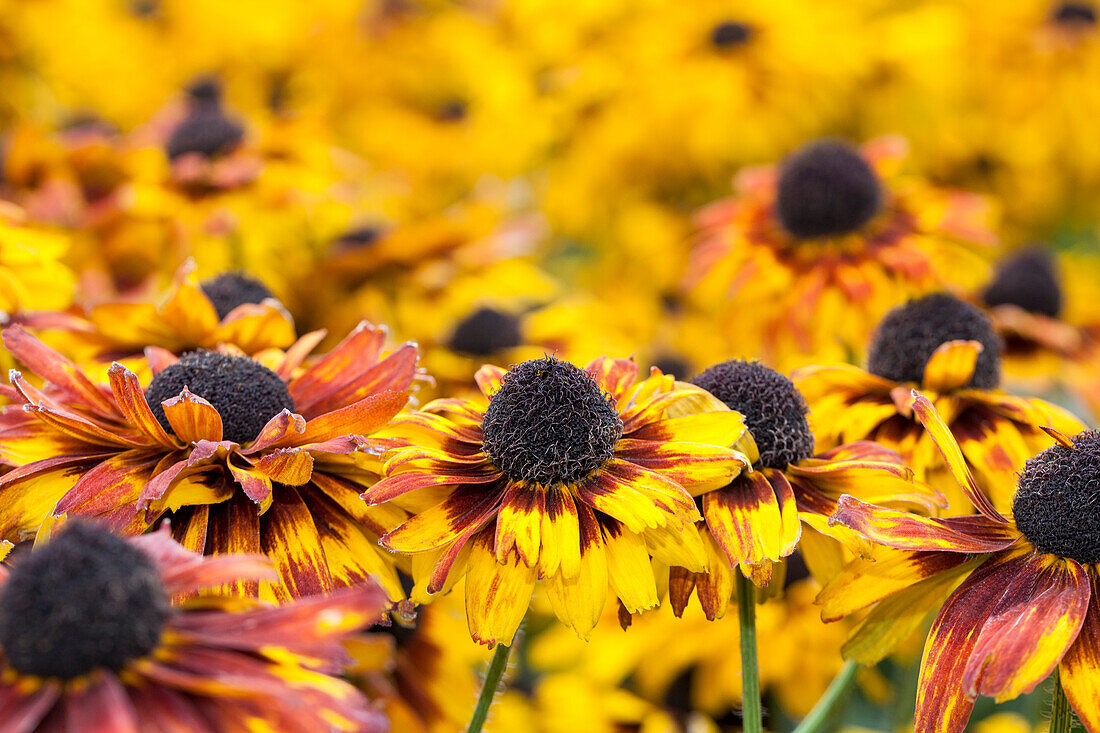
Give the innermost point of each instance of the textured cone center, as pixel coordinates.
(550, 423)
(1027, 280)
(826, 189)
(1077, 14)
(908, 335)
(206, 130)
(773, 408)
(85, 601)
(485, 332)
(1057, 496)
(244, 392)
(730, 34)
(231, 289)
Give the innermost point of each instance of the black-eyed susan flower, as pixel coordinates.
(94, 636)
(1027, 599)
(833, 235)
(574, 476)
(950, 351)
(232, 309)
(755, 520)
(241, 456)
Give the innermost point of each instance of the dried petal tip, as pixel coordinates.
(550, 423)
(825, 189)
(908, 336)
(773, 408)
(87, 600)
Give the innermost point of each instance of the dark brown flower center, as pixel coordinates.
(907, 336)
(826, 188)
(730, 34)
(231, 289)
(550, 423)
(773, 408)
(485, 332)
(244, 392)
(1057, 497)
(1027, 280)
(87, 600)
(206, 130)
(1074, 13)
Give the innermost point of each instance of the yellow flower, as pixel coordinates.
(949, 350)
(573, 476)
(799, 254)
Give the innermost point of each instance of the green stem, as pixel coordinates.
(752, 720)
(834, 695)
(1062, 717)
(488, 690)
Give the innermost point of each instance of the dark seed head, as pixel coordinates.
(773, 408)
(230, 289)
(550, 423)
(453, 110)
(87, 600)
(907, 336)
(729, 34)
(672, 364)
(244, 392)
(363, 236)
(1027, 280)
(826, 188)
(1057, 502)
(485, 332)
(206, 130)
(1074, 13)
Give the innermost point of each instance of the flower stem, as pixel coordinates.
(751, 716)
(826, 706)
(1062, 717)
(488, 690)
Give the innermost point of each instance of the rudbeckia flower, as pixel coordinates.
(1027, 601)
(94, 636)
(949, 350)
(241, 456)
(833, 235)
(232, 308)
(574, 476)
(756, 519)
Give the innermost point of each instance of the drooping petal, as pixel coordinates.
(1029, 629)
(1080, 668)
(290, 466)
(497, 594)
(628, 567)
(560, 534)
(906, 531)
(578, 601)
(359, 418)
(945, 441)
(740, 515)
(942, 703)
(57, 370)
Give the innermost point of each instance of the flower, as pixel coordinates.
(833, 235)
(228, 309)
(756, 519)
(94, 636)
(241, 456)
(949, 350)
(569, 475)
(1027, 601)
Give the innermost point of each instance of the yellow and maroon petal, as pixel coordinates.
(1080, 668)
(290, 466)
(1030, 628)
(234, 527)
(942, 702)
(695, 466)
(392, 487)
(392, 374)
(951, 365)
(606, 493)
(686, 547)
(746, 521)
(615, 376)
(192, 418)
(560, 534)
(110, 492)
(718, 428)
(906, 531)
(945, 441)
(519, 524)
(290, 538)
(497, 594)
(664, 493)
(360, 348)
(469, 506)
(254, 326)
(131, 402)
(489, 379)
(578, 601)
(628, 566)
